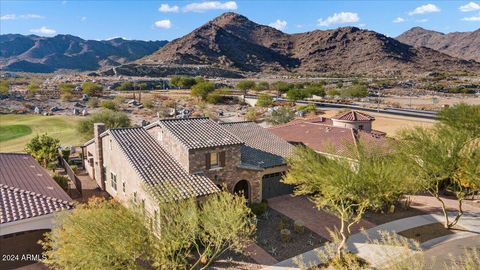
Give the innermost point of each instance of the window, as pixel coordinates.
(135, 196)
(360, 127)
(214, 159)
(113, 177)
(124, 188)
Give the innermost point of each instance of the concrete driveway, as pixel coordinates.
(318, 221)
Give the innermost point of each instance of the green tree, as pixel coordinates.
(297, 94)
(281, 87)
(264, 100)
(216, 96)
(443, 158)
(111, 119)
(316, 90)
(202, 89)
(356, 90)
(183, 82)
(4, 87)
(66, 91)
(344, 187)
(126, 86)
(462, 117)
(43, 148)
(92, 89)
(262, 86)
(226, 223)
(142, 86)
(332, 92)
(100, 234)
(251, 114)
(246, 85)
(281, 115)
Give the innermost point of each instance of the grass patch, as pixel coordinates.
(426, 232)
(13, 131)
(59, 126)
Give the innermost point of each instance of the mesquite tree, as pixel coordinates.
(344, 187)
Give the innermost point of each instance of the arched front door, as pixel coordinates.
(242, 188)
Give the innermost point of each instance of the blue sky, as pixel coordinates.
(158, 20)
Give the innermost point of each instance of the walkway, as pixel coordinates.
(361, 243)
(260, 256)
(318, 221)
(429, 204)
(436, 257)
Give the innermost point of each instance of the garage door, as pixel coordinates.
(272, 187)
(20, 249)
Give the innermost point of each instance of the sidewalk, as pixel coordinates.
(360, 243)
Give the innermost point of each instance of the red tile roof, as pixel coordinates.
(319, 137)
(354, 116)
(27, 190)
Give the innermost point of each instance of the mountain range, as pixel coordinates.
(47, 54)
(231, 45)
(232, 41)
(465, 45)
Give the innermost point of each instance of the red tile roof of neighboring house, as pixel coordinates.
(27, 190)
(354, 116)
(319, 137)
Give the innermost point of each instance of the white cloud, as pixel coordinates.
(21, 17)
(472, 18)
(167, 8)
(278, 24)
(83, 18)
(338, 18)
(43, 30)
(163, 24)
(210, 5)
(399, 20)
(472, 6)
(428, 8)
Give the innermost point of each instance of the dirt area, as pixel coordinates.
(268, 236)
(427, 232)
(381, 218)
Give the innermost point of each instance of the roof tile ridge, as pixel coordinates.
(33, 193)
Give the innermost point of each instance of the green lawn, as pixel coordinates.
(17, 130)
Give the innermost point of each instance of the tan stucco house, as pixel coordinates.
(180, 158)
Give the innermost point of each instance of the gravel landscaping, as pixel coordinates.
(268, 236)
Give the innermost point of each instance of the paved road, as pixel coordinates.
(437, 257)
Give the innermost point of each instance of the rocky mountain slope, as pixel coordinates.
(47, 54)
(232, 41)
(464, 45)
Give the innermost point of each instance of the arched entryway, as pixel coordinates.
(242, 187)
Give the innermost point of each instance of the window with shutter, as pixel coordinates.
(207, 161)
(222, 158)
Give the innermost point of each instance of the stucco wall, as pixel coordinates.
(116, 162)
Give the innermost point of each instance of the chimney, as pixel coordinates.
(99, 128)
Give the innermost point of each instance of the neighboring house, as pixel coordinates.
(193, 157)
(338, 136)
(29, 198)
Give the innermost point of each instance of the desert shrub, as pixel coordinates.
(251, 114)
(92, 89)
(4, 87)
(62, 181)
(118, 100)
(333, 92)
(93, 102)
(66, 91)
(148, 104)
(259, 208)
(281, 115)
(262, 86)
(264, 100)
(202, 89)
(216, 96)
(74, 168)
(307, 108)
(109, 104)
